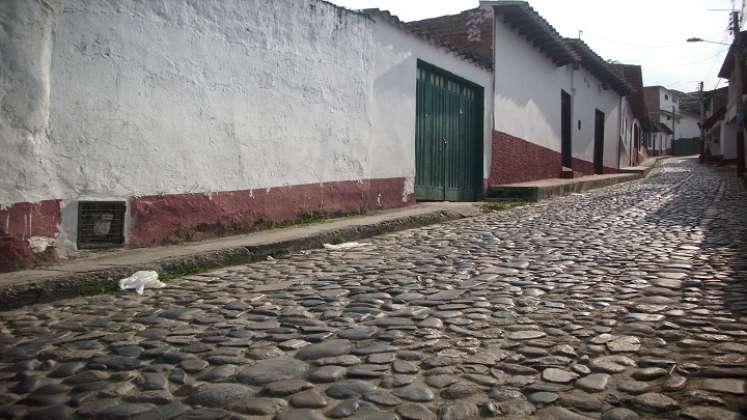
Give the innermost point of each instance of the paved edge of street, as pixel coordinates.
(93, 276)
(51, 285)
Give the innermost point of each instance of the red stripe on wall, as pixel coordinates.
(587, 168)
(18, 223)
(178, 217)
(517, 160)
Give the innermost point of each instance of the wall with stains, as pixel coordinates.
(212, 108)
(27, 172)
(590, 94)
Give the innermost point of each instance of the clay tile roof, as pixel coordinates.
(471, 32)
(633, 74)
(728, 66)
(462, 44)
(599, 67)
(538, 31)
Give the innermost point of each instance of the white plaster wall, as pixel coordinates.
(729, 140)
(627, 132)
(713, 138)
(687, 127)
(667, 101)
(588, 96)
(395, 93)
(527, 90)
(167, 96)
(26, 33)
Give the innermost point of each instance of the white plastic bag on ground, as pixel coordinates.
(346, 245)
(140, 281)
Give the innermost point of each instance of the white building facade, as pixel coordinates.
(133, 124)
(163, 122)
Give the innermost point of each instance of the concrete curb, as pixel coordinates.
(535, 194)
(538, 193)
(73, 284)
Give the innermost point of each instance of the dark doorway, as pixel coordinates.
(598, 142)
(565, 129)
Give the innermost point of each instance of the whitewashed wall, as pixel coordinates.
(728, 140)
(588, 96)
(628, 122)
(527, 99)
(198, 96)
(687, 127)
(27, 161)
(527, 90)
(395, 93)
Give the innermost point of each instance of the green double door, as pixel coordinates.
(448, 137)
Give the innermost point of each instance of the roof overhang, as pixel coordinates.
(600, 68)
(520, 16)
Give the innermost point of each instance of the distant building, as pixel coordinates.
(731, 139)
(715, 110)
(635, 123)
(665, 106)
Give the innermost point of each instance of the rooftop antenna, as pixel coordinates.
(580, 32)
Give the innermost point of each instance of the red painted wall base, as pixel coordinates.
(18, 224)
(177, 217)
(516, 160)
(164, 219)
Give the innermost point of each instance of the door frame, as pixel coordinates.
(599, 119)
(566, 130)
(479, 113)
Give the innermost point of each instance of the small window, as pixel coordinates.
(100, 224)
(579, 124)
(666, 97)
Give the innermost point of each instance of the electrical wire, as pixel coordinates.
(626, 43)
(687, 63)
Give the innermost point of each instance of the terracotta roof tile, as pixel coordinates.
(465, 44)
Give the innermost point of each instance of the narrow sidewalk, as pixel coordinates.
(543, 189)
(102, 270)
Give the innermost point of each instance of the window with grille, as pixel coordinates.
(100, 224)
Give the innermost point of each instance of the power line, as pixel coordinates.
(687, 63)
(667, 45)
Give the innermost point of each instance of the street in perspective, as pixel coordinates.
(624, 302)
(372, 210)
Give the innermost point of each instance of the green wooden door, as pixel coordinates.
(448, 137)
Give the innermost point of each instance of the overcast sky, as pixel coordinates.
(651, 33)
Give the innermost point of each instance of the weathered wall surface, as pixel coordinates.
(232, 111)
(687, 127)
(527, 109)
(395, 93)
(527, 90)
(27, 230)
(588, 96)
(628, 122)
(163, 97)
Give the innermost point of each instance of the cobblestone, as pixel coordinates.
(623, 303)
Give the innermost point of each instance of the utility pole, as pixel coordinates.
(702, 121)
(738, 87)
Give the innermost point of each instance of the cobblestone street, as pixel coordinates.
(622, 303)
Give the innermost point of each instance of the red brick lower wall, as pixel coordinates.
(163, 219)
(587, 168)
(18, 224)
(516, 160)
(176, 217)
